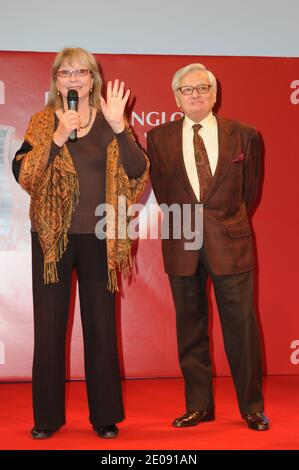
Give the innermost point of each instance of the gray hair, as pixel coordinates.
(175, 83)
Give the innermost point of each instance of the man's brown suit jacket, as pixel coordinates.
(227, 234)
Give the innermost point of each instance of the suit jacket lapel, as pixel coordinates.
(227, 146)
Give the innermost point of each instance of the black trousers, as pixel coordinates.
(234, 297)
(87, 255)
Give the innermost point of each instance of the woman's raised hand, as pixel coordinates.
(114, 106)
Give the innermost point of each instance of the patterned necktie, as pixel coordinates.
(202, 162)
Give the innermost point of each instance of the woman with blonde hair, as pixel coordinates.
(67, 177)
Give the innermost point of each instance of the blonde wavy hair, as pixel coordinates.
(67, 56)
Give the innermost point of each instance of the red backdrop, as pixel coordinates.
(261, 91)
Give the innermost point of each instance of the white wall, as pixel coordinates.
(194, 27)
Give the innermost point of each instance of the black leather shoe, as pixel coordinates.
(41, 433)
(257, 421)
(192, 418)
(106, 432)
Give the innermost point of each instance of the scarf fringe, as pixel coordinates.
(50, 267)
(124, 264)
(125, 261)
(112, 285)
(50, 272)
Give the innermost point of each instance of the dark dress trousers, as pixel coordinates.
(226, 256)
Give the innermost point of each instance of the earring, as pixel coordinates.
(90, 91)
(58, 93)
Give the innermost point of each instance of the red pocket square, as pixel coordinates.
(239, 158)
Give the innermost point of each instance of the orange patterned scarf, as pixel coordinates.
(55, 193)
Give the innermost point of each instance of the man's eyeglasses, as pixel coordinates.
(68, 73)
(201, 89)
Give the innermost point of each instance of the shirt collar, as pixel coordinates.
(206, 122)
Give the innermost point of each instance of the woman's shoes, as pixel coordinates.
(106, 432)
(42, 433)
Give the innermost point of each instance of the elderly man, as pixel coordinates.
(205, 159)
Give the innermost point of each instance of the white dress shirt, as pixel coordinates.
(209, 134)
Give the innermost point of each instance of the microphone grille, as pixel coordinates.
(72, 95)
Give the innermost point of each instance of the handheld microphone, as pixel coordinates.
(72, 102)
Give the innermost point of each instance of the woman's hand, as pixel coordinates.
(68, 121)
(113, 108)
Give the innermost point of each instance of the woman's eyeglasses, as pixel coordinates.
(68, 73)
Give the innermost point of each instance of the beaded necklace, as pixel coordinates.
(89, 120)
